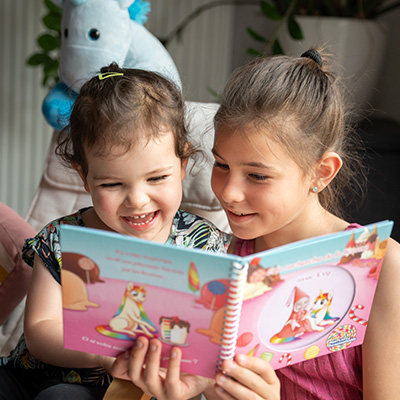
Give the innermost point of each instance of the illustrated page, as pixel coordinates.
(115, 289)
(313, 299)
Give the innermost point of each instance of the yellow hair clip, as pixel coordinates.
(109, 75)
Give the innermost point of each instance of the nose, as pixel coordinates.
(232, 189)
(136, 198)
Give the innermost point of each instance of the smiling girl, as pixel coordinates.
(128, 141)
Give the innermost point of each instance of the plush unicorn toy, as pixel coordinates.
(94, 34)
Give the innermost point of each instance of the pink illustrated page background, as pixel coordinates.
(264, 316)
(80, 326)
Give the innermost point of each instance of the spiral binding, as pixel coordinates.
(232, 312)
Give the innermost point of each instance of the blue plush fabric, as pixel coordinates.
(138, 11)
(96, 33)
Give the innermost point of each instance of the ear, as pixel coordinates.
(326, 170)
(78, 169)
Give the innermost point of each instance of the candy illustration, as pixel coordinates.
(354, 317)
(341, 338)
(194, 280)
(288, 356)
(244, 339)
(216, 288)
(253, 351)
(213, 294)
(267, 356)
(87, 265)
(83, 266)
(311, 352)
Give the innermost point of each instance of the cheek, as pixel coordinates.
(170, 194)
(216, 183)
(105, 202)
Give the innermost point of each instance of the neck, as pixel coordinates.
(92, 220)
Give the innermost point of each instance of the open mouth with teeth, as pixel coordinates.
(239, 217)
(141, 220)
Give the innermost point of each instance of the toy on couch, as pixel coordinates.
(94, 34)
(60, 191)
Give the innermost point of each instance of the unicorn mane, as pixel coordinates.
(138, 11)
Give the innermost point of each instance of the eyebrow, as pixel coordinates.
(249, 164)
(162, 170)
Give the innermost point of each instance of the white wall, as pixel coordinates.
(211, 47)
(204, 52)
(24, 135)
(203, 59)
(385, 101)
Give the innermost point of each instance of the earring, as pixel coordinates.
(315, 189)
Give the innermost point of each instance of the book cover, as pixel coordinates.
(286, 305)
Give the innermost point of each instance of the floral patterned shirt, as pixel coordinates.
(188, 230)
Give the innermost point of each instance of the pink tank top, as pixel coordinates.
(333, 376)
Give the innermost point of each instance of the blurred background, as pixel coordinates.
(209, 47)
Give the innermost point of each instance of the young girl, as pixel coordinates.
(283, 162)
(128, 141)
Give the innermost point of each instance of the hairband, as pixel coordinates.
(109, 75)
(314, 55)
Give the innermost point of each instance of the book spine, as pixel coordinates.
(230, 325)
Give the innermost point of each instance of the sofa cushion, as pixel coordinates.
(14, 273)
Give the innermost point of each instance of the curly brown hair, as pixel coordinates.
(121, 109)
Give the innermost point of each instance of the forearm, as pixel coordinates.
(44, 341)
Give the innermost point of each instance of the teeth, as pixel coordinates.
(238, 214)
(139, 216)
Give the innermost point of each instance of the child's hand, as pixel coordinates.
(142, 367)
(254, 378)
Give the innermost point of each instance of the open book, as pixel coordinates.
(286, 305)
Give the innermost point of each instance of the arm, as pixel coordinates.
(380, 351)
(43, 326)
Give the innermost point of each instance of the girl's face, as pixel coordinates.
(137, 192)
(263, 191)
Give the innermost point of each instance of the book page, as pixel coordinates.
(116, 288)
(312, 298)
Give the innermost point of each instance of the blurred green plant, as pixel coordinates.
(285, 11)
(49, 43)
(282, 12)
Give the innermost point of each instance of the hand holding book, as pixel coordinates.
(141, 365)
